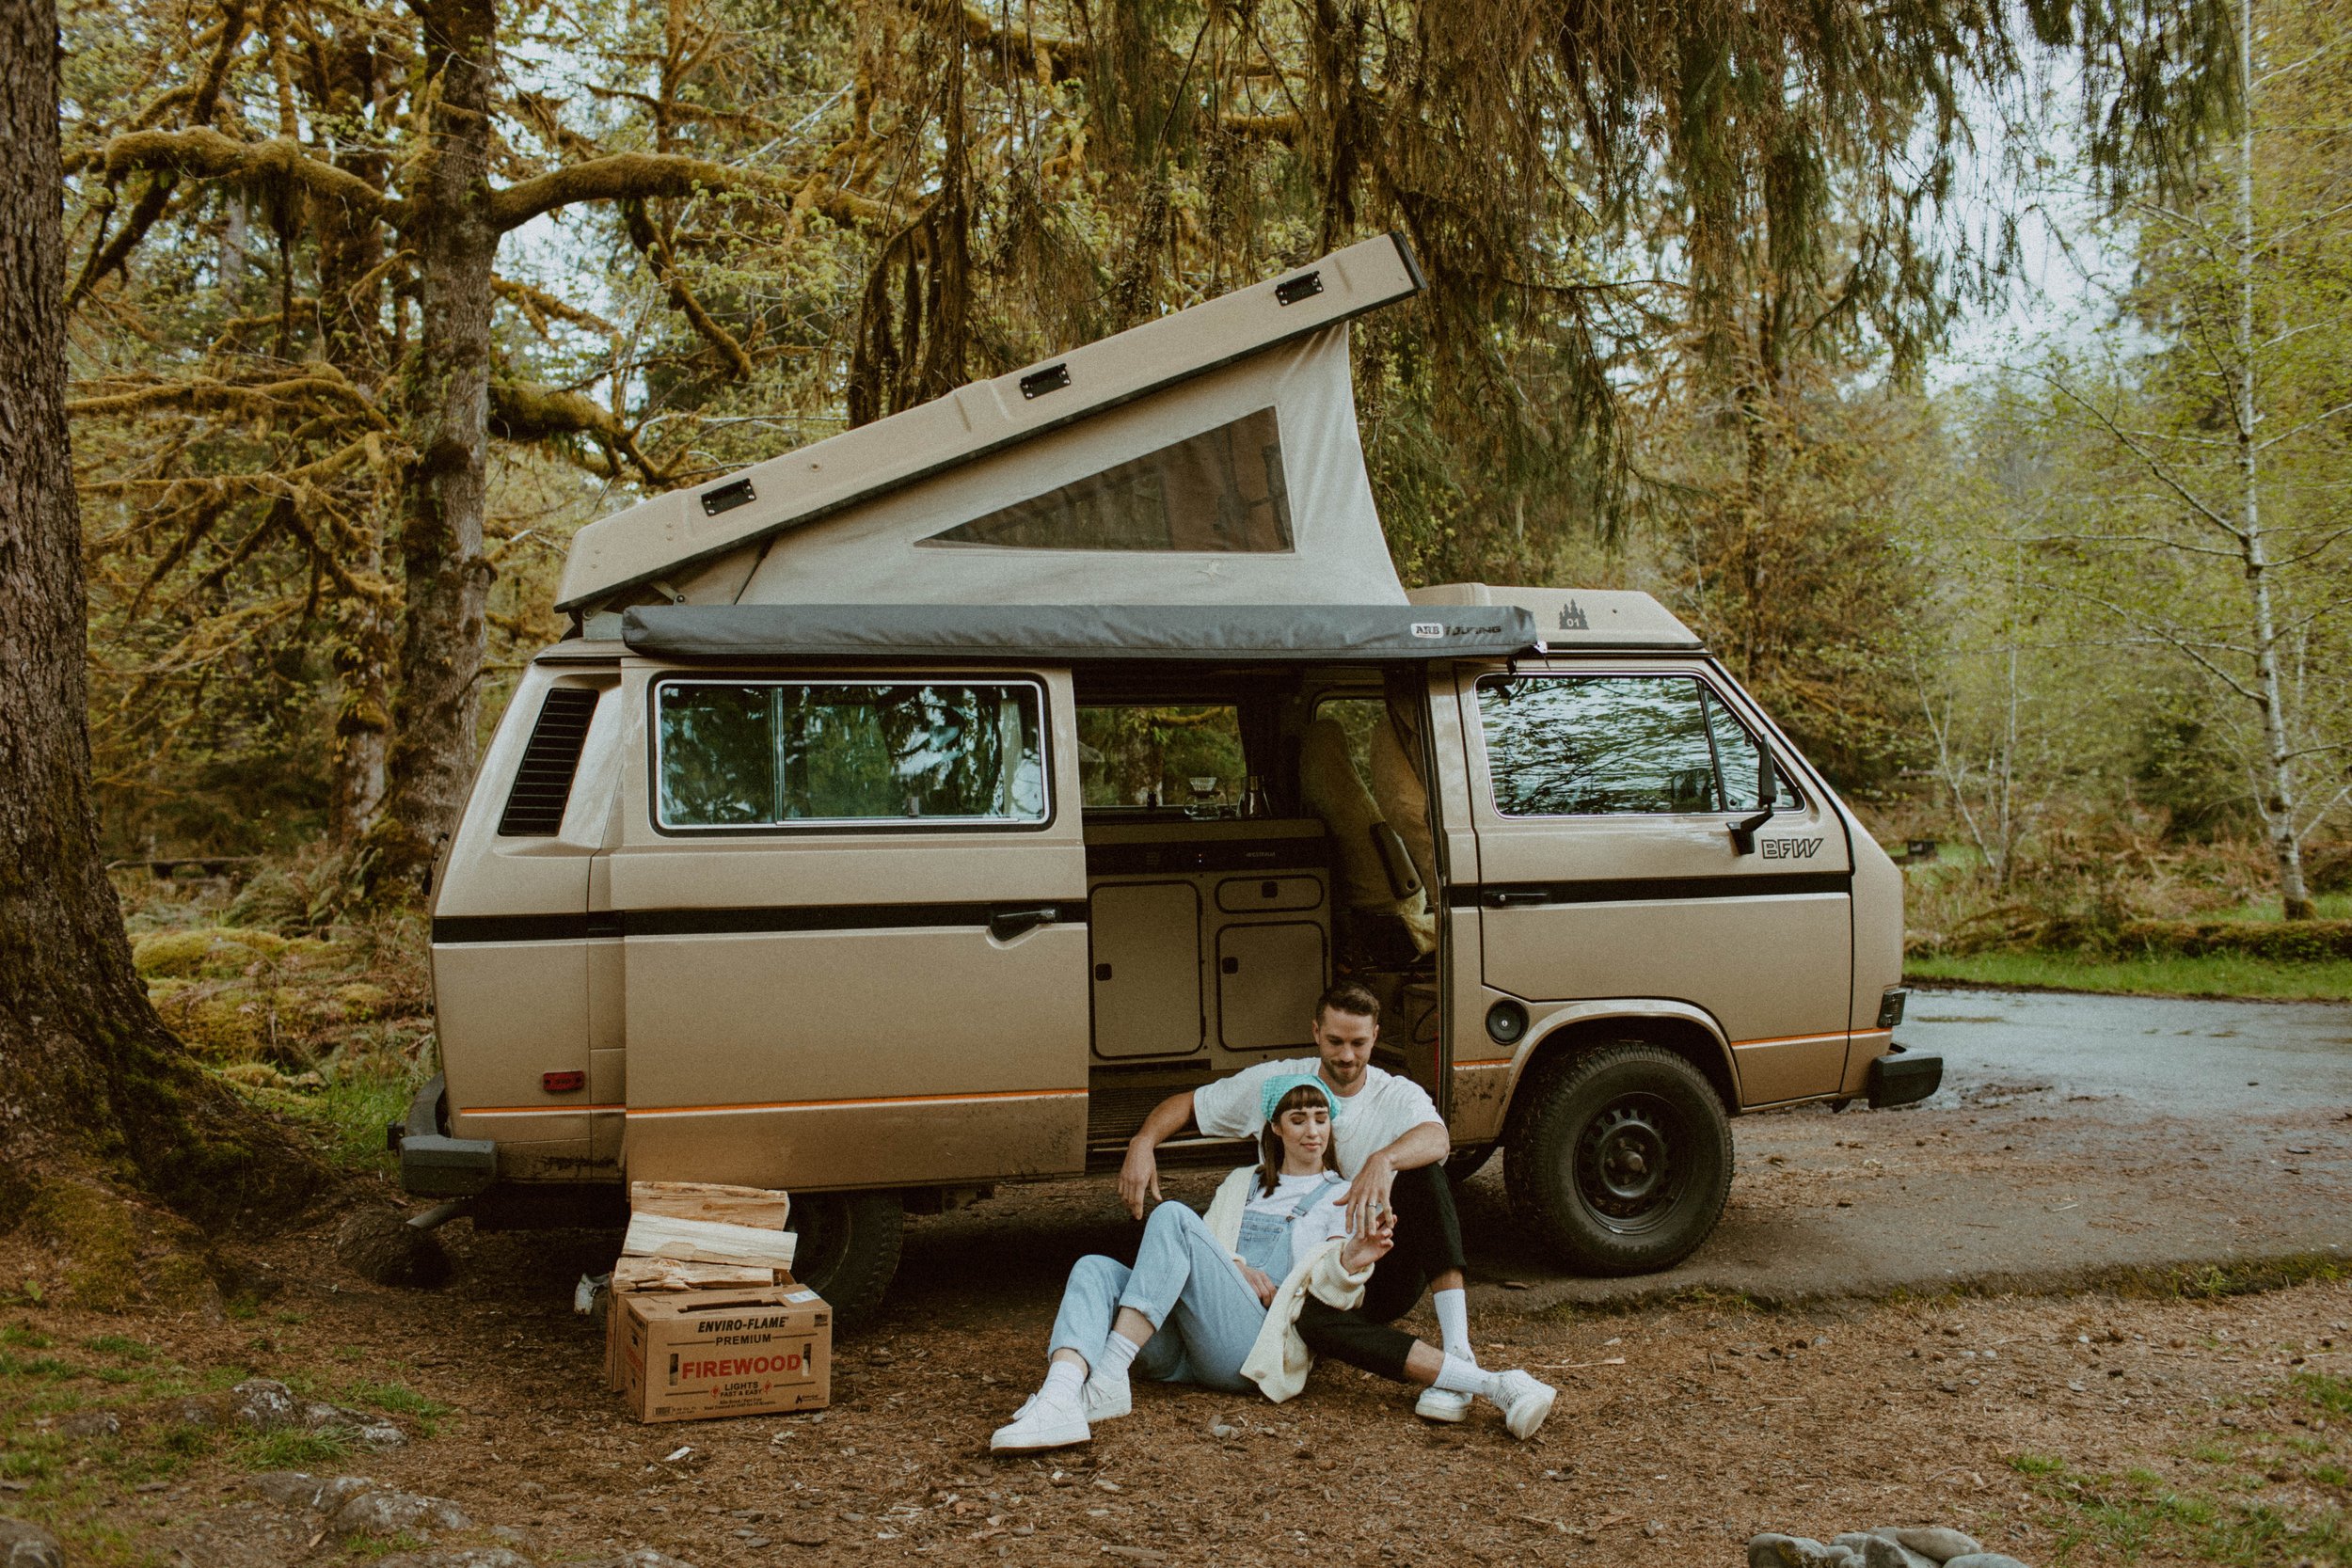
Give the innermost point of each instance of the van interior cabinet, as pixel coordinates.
(1146, 969)
(1212, 938)
(1268, 976)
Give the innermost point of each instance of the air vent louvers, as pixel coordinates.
(543, 785)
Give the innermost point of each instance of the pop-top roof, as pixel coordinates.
(1068, 633)
(1209, 455)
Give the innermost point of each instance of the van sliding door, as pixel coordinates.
(853, 908)
(1603, 798)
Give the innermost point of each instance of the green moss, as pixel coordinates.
(98, 1234)
(211, 953)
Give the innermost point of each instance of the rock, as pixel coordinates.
(301, 1489)
(388, 1513)
(1983, 1560)
(471, 1557)
(1933, 1542)
(319, 1417)
(1878, 1550)
(91, 1423)
(379, 1435)
(188, 1411)
(1797, 1551)
(25, 1545)
(263, 1405)
(520, 1540)
(644, 1557)
(382, 1247)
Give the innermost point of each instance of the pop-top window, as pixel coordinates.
(769, 754)
(1613, 745)
(1222, 490)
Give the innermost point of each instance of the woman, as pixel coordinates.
(1214, 1301)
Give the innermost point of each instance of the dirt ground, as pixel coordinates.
(2184, 1418)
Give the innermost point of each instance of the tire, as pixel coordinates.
(1621, 1161)
(1463, 1163)
(849, 1250)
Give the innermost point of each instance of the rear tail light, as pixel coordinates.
(563, 1083)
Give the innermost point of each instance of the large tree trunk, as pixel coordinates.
(444, 573)
(90, 1079)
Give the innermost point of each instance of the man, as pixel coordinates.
(1392, 1145)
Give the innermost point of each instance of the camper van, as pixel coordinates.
(911, 813)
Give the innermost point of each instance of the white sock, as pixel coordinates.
(1462, 1377)
(1454, 1324)
(1065, 1384)
(1118, 1351)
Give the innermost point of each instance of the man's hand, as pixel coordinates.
(1367, 1248)
(1367, 1197)
(1261, 1282)
(1138, 1175)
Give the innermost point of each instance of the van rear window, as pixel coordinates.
(775, 754)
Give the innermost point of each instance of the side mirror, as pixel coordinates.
(1766, 793)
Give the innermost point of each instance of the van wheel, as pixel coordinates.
(1622, 1161)
(848, 1249)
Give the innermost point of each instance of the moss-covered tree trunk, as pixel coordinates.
(90, 1079)
(445, 575)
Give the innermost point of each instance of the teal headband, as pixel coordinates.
(1276, 1088)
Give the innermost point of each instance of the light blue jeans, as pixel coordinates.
(1204, 1315)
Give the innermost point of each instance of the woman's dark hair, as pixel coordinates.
(1270, 1142)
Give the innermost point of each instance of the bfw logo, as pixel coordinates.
(1790, 849)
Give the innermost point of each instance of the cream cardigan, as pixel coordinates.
(1279, 1362)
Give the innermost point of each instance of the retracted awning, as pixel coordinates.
(1071, 633)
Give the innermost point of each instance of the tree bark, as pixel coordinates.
(454, 231)
(89, 1077)
(2279, 800)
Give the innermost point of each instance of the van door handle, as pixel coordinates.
(1504, 898)
(1005, 925)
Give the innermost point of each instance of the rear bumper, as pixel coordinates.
(1899, 1078)
(434, 1165)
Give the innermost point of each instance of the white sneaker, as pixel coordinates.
(1441, 1404)
(1523, 1401)
(1039, 1425)
(1108, 1398)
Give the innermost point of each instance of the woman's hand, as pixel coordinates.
(1363, 1251)
(1261, 1282)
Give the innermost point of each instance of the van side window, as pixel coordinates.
(767, 754)
(1222, 490)
(1610, 745)
(1162, 755)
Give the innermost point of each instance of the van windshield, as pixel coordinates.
(760, 753)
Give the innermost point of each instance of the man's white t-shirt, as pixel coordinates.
(1320, 1223)
(1383, 1109)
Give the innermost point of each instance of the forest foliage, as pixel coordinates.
(373, 305)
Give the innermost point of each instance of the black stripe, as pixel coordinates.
(466, 928)
(1229, 854)
(1626, 889)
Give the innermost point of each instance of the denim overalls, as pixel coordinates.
(1265, 1239)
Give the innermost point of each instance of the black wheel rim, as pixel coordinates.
(821, 1222)
(1629, 1167)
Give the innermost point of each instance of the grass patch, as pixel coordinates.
(347, 1117)
(2209, 974)
(115, 1344)
(398, 1398)
(25, 1337)
(2138, 1514)
(292, 1450)
(2326, 1391)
